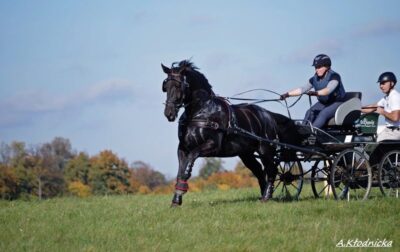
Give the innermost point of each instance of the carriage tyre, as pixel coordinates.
(351, 176)
(289, 181)
(320, 179)
(389, 174)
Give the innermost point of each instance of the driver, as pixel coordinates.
(388, 107)
(328, 89)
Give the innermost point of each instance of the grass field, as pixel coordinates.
(208, 221)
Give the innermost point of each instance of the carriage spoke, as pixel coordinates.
(388, 170)
(289, 180)
(395, 160)
(286, 190)
(351, 175)
(360, 164)
(344, 161)
(337, 181)
(292, 166)
(277, 186)
(320, 178)
(282, 169)
(283, 187)
(323, 189)
(355, 194)
(390, 162)
(294, 186)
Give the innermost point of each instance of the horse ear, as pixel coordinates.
(165, 69)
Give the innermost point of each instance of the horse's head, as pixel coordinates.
(175, 86)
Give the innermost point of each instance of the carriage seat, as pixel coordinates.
(348, 111)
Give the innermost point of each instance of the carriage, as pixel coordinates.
(344, 157)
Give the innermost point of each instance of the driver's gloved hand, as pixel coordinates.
(284, 96)
(312, 93)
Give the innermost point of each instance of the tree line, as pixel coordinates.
(55, 169)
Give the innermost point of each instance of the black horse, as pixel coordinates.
(208, 128)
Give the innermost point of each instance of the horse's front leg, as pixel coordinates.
(186, 163)
(181, 185)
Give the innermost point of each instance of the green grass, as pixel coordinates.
(208, 221)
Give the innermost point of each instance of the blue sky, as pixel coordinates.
(90, 71)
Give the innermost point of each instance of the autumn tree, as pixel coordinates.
(210, 166)
(37, 169)
(145, 176)
(9, 189)
(48, 182)
(25, 177)
(56, 154)
(5, 153)
(76, 175)
(77, 169)
(47, 163)
(108, 174)
(51, 169)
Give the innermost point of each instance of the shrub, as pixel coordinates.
(79, 189)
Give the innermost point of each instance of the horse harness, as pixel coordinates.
(232, 127)
(207, 123)
(182, 83)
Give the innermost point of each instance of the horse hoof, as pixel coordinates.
(177, 200)
(264, 199)
(175, 205)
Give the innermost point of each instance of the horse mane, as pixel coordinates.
(196, 79)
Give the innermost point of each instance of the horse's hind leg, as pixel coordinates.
(251, 162)
(271, 171)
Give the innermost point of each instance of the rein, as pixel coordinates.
(255, 101)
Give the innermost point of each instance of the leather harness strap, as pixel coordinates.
(204, 124)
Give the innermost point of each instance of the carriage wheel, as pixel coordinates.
(289, 180)
(320, 182)
(389, 174)
(351, 175)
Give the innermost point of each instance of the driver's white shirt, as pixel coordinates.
(391, 103)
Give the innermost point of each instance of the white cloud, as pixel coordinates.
(378, 28)
(24, 106)
(336, 46)
(112, 90)
(331, 47)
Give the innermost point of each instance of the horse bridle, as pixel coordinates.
(177, 78)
